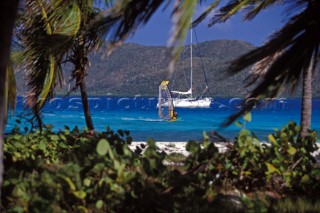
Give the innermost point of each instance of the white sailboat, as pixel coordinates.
(188, 99)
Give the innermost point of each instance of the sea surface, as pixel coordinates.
(140, 116)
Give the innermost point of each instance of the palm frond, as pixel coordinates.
(125, 17)
(253, 7)
(289, 52)
(121, 20)
(232, 7)
(182, 20)
(258, 6)
(45, 38)
(47, 82)
(260, 68)
(204, 15)
(66, 19)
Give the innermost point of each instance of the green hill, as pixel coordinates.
(136, 69)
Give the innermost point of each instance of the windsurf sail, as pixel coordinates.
(165, 102)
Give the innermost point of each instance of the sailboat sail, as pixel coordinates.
(188, 99)
(165, 102)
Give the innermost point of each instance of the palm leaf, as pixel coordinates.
(66, 19)
(48, 82)
(229, 10)
(253, 7)
(204, 15)
(44, 14)
(46, 37)
(123, 19)
(182, 17)
(289, 52)
(258, 6)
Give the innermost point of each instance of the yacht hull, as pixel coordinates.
(191, 103)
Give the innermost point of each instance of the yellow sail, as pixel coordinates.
(165, 102)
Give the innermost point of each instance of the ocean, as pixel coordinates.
(139, 115)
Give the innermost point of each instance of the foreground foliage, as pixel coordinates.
(76, 171)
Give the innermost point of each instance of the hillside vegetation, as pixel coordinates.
(136, 69)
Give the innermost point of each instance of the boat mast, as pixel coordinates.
(191, 59)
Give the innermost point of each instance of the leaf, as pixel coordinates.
(127, 132)
(305, 179)
(54, 137)
(67, 21)
(102, 147)
(19, 191)
(193, 147)
(63, 145)
(121, 132)
(63, 137)
(98, 167)
(42, 146)
(228, 10)
(45, 17)
(116, 164)
(70, 183)
(182, 17)
(316, 173)
(272, 139)
(99, 204)
(238, 123)
(87, 182)
(17, 137)
(285, 51)
(79, 194)
(247, 117)
(82, 209)
(272, 169)
(36, 101)
(244, 132)
(208, 10)
(291, 150)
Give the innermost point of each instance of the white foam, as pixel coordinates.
(141, 119)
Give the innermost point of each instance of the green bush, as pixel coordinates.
(284, 164)
(79, 171)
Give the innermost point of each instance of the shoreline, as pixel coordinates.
(176, 146)
(170, 147)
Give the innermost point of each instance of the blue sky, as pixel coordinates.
(256, 32)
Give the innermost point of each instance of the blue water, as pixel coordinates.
(140, 116)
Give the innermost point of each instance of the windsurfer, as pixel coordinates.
(175, 116)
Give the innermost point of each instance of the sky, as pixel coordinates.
(157, 30)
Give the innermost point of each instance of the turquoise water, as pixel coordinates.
(140, 116)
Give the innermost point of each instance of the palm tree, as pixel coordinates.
(83, 43)
(47, 46)
(53, 33)
(293, 49)
(290, 50)
(8, 10)
(306, 108)
(43, 36)
(291, 53)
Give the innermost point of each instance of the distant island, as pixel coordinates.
(135, 69)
